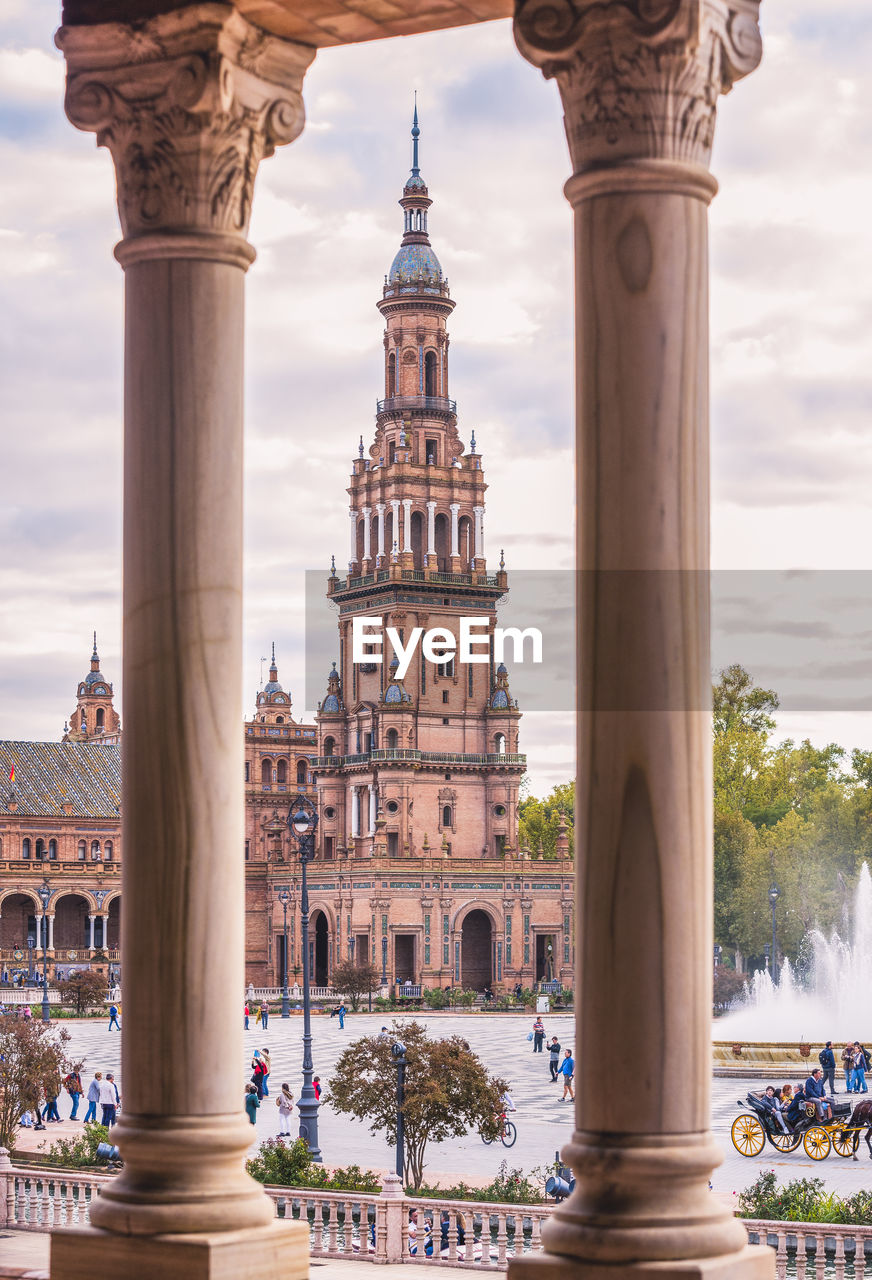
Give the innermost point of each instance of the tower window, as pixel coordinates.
(247, 850)
(500, 744)
(392, 376)
(445, 720)
(100, 718)
(83, 851)
(302, 771)
(282, 772)
(444, 695)
(329, 746)
(95, 851)
(446, 815)
(52, 850)
(266, 773)
(430, 374)
(25, 847)
(392, 451)
(431, 452)
(392, 739)
(247, 772)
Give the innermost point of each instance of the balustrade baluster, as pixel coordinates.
(452, 1237)
(363, 1228)
(820, 1255)
(502, 1238)
(781, 1256)
(840, 1257)
(69, 1204)
(332, 1229)
(317, 1227)
(801, 1255)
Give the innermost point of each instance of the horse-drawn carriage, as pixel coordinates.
(757, 1124)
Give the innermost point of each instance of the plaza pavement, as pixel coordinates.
(544, 1123)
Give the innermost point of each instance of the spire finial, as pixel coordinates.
(416, 133)
(360, 448)
(273, 653)
(502, 558)
(94, 654)
(333, 566)
(472, 443)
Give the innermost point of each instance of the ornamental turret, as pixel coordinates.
(95, 718)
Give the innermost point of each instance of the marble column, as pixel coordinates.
(49, 945)
(380, 509)
(407, 524)
(367, 531)
(639, 85)
(91, 920)
(431, 533)
(352, 545)
(478, 527)
(372, 809)
(188, 103)
(455, 528)
(355, 811)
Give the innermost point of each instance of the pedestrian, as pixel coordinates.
(848, 1064)
(341, 1016)
(73, 1086)
(246, 1014)
(384, 1034)
(859, 1068)
(50, 1113)
(93, 1097)
(827, 1059)
(554, 1059)
(252, 1102)
(113, 1018)
(316, 1085)
(538, 1035)
(285, 1104)
(108, 1100)
(267, 1067)
(257, 1068)
(264, 1015)
(567, 1070)
(27, 1013)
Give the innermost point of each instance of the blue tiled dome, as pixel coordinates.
(331, 703)
(413, 262)
(393, 693)
(500, 699)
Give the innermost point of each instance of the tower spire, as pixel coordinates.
(416, 133)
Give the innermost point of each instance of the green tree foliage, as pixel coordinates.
(82, 989)
(784, 812)
(539, 820)
(355, 981)
(33, 1062)
(448, 1091)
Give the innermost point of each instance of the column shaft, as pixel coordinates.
(352, 529)
(455, 528)
(407, 524)
(380, 508)
(367, 530)
(431, 528)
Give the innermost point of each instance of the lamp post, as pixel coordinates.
(550, 962)
(303, 819)
(31, 943)
(44, 893)
(766, 955)
(774, 894)
(717, 955)
(384, 962)
(398, 1049)
(284, 899)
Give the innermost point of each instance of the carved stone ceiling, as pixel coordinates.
(316, 22)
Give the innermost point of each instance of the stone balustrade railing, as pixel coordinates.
(814, 1249)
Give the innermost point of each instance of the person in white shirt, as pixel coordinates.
(109, 1099)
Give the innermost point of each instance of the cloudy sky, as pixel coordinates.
(791, 341)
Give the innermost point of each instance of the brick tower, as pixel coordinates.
(420, 774)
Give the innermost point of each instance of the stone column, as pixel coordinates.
(188, 103)
(478, 527)
(380, 509)
(639, 85)
(407, 524)
(49, 944)
(91, 919)
(455, 528)
(352, 546)
(355, 811)
(372, 809)
(431, 534)
(395, 524)
(367, 539)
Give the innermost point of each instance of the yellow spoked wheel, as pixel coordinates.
(785, 1141)
(845, 1142)
(817, 1143)
(748, 1136)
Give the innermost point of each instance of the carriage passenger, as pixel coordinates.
(796, 1110)
(773, 1107)
(815, 1091)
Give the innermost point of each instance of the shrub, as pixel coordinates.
(283, 1164)
(79, 1152)
(435, 998)
(803, 1200)
(510, 1186)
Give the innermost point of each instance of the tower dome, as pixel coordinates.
(416, 265)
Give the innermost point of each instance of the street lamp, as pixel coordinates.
(398, 1049)
(774, 894)
(31, 943)
(766, 955)
(550, 962)
(44, 893)
(303, 819)
(384, 962)
(717, 954)
(284, 899)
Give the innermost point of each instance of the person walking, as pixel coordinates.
(848, 1064)
(554, 1059)
(246, 1014)
(567, 1070)
(538, 1035)
(316, 1085)
(267, 1068)
(285, 1104)
(257, 1068)
(264, 1015)
(113, 1018)
(93, 1097)
(73, 1086)
(859, 1068)
(108, 1100)
(341, 1016)
(50, 1113)
(252, 1102)
(827, 1059)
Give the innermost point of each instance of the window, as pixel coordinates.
(430, 374)
(302, 771)
(500, 744)
(247, 850)
(52, 850)
(329, 746)
(107, 851)
(280, 719)
(330, 812)
(367, 742)
(431, 454)
(282, 772)
(446, 815)
(247, 772)
(392, 376)
(328, 846)
(499, 845)
(40, 849)
(266, 772)
(445, 668)
(392, 451)
(444, 695)
(100, 719)
(393, 807)
(25, 847)
(392, 739)
(393, 844)
(95, 851)
(499, 810)
(83, 851)
(445, 720)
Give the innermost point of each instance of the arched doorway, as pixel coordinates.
(475, 951)
(319, 945)
(113, 925)
(71, 927)
(17, 921)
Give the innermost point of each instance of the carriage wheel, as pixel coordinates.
(785, 1141)
(817, 1143)
(748, 1136)
(845, 1142)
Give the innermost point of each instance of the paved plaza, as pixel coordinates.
(544, 1122)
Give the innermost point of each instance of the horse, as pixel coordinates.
(861, 1117)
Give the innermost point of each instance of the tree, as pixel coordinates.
(32, 1061)
(82, 989)
(448, 1091)
(738, 703)
(355, 980)
(539, 820)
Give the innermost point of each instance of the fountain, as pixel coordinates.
(836, 1004)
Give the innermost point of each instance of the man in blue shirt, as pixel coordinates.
(816, 1093)
(567, 1070)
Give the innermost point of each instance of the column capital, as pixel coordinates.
(640, 79)
(188, 104)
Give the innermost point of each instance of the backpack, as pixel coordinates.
(822, 1058)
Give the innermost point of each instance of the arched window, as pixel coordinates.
(95, 851)
(266, 772)
(40, 849)
(280, 719)
(247, 772)
(84, 721)
(431, 386)
(329, 746)
(392, 739)
(83, 851)
(500, 744)
(446, 815)
(25, 847)
(101, 714)
(107, 851)
(392, 376)
(52, 850)
(282, 772)
(302, 771)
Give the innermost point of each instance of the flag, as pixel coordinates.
(12, 774)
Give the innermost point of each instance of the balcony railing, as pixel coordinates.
(436, 404)
(381, 754)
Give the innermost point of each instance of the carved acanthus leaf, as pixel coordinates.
(188, 104)
(640, 79)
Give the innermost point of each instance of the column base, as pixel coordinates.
(754, 1262)
(279, 1251)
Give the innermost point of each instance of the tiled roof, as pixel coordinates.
(49, 775)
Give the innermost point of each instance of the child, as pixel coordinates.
(285, 1104)
(252, 1102)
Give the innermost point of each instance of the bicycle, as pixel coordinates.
(508, 1134)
